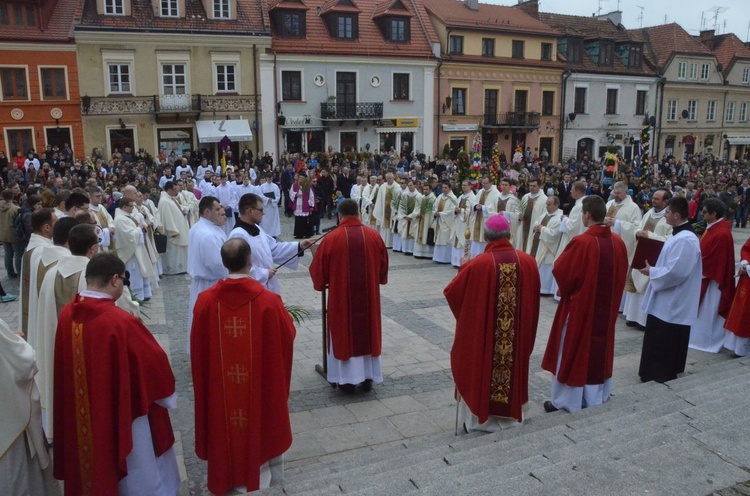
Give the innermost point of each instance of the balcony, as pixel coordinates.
(513, 120)
(351, 111)
(167, 104)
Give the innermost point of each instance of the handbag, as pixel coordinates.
(431, 236)
(160, 240)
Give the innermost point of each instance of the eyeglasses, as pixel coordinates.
(258, 209)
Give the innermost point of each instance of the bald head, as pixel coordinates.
(129, 192)
(236, 256)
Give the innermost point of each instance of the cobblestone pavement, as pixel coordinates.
(416, 397)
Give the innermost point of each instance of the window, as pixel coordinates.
(174, 81)
(746, 75)
(20, 139)
(345, 27)
(21, 15)
(488, 47)
(459, 101)
(169, 8)
(114, 7)
(401, 86)
(730, 111)
(711, 110)
(692, 109)
(743, 112)
(292, 25)
(291, 85)
(456, 45)
(635, 55)
(606, 53)
(693, 71)
(579, 107)
(398, 30)
(682, 70)
(14, 83)
(612, 100)
(640, 102)
(705, 72)
(518, 49)
(119, 78)
(520, 103)
(575, 50)
(548, 102)
(546, 51)
(53, 84)
(226, 78)
(672, 110)
(221, 9)
(490, 107)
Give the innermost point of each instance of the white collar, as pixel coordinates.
(96, 294)
(238, 276)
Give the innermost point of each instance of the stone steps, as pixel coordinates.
(674, 438)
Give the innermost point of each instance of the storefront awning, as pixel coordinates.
(381, 130)
(303, 129)
(688, 139)
(214, 131)
(739, 140)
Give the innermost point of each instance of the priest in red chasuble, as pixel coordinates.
(738, 320)
(113, 386)
(352, 262)
(590, 273)
(241, 344)
(717, 285)
(495, 299)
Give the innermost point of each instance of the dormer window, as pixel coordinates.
(345, 26)
(114, 7)
(17, 14)
(393, 19)
(606, 53)
(290, 23)
(635, 56)
(398, 30)
(168, 8)
(575, 50)
(221, 9)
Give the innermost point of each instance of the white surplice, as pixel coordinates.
(204, 262)
(271, 222)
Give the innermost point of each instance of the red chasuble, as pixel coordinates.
(109, 370)
(590, 273)
(241, 347)
(717, 252)
(495, 299)
(353, 262)
(738, 320)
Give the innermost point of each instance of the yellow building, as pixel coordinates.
(176, 75)
(499, 76)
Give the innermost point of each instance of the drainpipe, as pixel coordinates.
(655, 149)
(276, 109)
(257, 100)
(565, 75)
(721, 130)
(438, 154)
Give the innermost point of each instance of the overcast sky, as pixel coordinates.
(687, 13)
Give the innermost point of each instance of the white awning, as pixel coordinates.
(739, 140)
(214, 131)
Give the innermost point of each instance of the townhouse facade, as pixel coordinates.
(176, 75)
(349, 76)
(39, 98)
(499, 79)
(609, 88)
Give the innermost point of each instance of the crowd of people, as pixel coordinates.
(91, 239)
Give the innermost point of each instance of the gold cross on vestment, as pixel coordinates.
(238, 418)
(238, 374)
(235, 327)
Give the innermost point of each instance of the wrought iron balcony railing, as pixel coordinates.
(521, 120)
(166, 104)
(351, 111)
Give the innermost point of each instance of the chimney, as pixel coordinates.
(615, 17)
(472, 4)
(707, 38)
(531, 7)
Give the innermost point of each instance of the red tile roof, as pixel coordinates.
(667, 39)
(58, 17)
(727, 48)
(393, 7)
(370, 42)
(455, 14)
(339, 6)
(252, 18)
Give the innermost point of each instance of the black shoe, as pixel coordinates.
(631, 323)
(348, 388)
(549, 407)
(367, 386)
